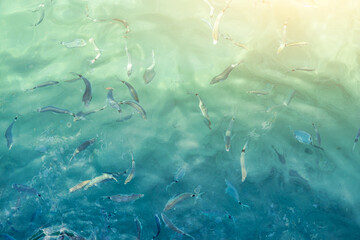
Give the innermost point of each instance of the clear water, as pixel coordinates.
(306, 193)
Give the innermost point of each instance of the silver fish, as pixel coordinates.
(137, 107)
(132, 171)
(41, 8)
(242, 163)
(125, 197)
(45, 84)
(280, 156)
(149, 73)
(87, 96)
(204, 110)
(129, 65)
(211, 14)
(25, 189)
(231, 190)
(224, 75)
(79, 186)
(356, 139)
(290, 96)
(131, 90)
(317, 135)
(138, 228)
(77, 43)
(55, 110)
(82, 147)
(111, 101)
(175, 200)
(81, 115)
(99, 179)
(158, 226)
(170, 225)
(303, 136)
(215, 30)
(8, 133)
(127, 117)
(97, 50)
(228, 134)
(178, 176)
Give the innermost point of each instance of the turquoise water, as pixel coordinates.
(295, 186)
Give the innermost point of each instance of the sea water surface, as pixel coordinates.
(291, 96)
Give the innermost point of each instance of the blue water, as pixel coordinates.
(288, 185)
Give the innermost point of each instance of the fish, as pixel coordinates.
(125, 197)
(55, 110)
(204, 110)
(170, 225)
(124, 22)
(215, 30)
(82, 147)
(137, 107)
(224, 75)
(79, 186)
(302, 69)
(158, 226)
(76, 43)
(290, 96)
(8, 133)
(132, 171)
(180, 173)
(129, 64)
(41, 8)
(258, 92)
(97, 50)
(81, 115)
(87, 96)
(111, 101)
(138, 228)
(99, 179)
(318, 138)
(356, 139)
(25, 189)
(175, 200)
(149, 73)
(45, 84)
(283, 39)
(242, 163)
(280, 156)
(231, 191)
(296, 44)
(303, 137)
(131, 90)
(228, 134)
(127, 117)
(211, 14)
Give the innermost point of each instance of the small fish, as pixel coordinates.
(87, 96)
(296, 44)
(82, 147)
(55, 110)
(170, 225)
(317, 135)
(129, 65)
(215, 30)
(8, 133)
(303, 136)
(280, 156)
(99, 179)
(228, 134)
(242, 163)
(204, 110)
(356, 139)
(127, 117)
(132, 171)
(124, 22)
(45, 84)
(77, 43)
(158, 226)
(125, 197)
(131, 90)
(26, 189)
(79, 186)
(138, 228)
(111, 101)
(283, 39)
(137, 107)
(149, 73)
(175, 200)
(302, 69)
(258, 92)
(97, 50)
(81, 115)
(224, 75)
(290, 96)
(180, 173)
(211, 14)
(40, 8)
(231, 190)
